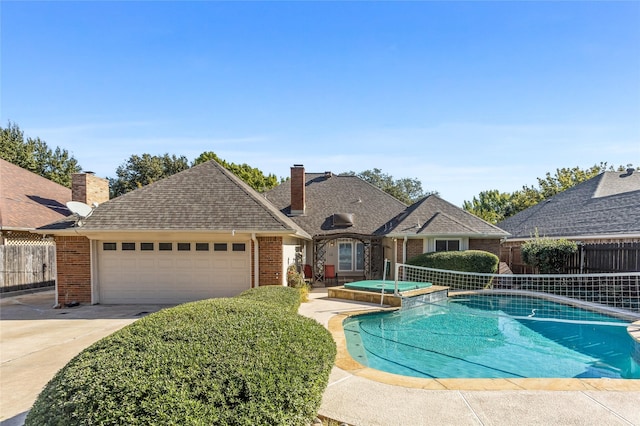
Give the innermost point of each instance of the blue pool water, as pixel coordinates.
(492, 336)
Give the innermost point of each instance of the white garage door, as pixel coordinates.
(171, 272)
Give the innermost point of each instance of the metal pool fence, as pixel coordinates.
(620, 290)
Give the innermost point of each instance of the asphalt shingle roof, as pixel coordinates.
(434, 216)
(371, 207)
(28, 200)
(206, 197)
(606, 205)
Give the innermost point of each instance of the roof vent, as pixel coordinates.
(343, 219)
(327, 175)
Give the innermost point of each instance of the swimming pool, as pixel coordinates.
(494, 336)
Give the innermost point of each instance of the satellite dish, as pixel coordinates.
(81, 209)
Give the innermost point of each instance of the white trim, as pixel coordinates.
(101, 234)
(256, 262)
(93, 264)
(579, 237)
(353, 242)
(436, 239)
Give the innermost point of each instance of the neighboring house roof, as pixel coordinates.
(434, 216)
(607, 205)
(327, 194)
(206, 197)
(28, 200)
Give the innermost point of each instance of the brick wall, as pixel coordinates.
(73, 261)
(491, 245)
(270, 262)
(414, 248)
(88, 188)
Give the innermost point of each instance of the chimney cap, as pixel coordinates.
(298, 165)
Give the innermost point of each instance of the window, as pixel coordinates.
(220, 247)
(146, 246)
(165, 246)
(447, 245)
(108, 246)
(202, 246)
(238, 247)
(184, 246)
(128, 246)
(350, 256)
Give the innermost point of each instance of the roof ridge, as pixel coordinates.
(262, 200)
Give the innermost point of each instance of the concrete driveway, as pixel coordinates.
(37, 340)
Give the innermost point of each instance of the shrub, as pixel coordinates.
(286, 298)
(546, 254)
(463, 261)
(218, 361)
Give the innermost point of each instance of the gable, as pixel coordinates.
(206, 197)
(434, 216)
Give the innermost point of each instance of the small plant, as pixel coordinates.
(295, 279)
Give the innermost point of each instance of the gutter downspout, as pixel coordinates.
(256, 261)
(395, 257)
(404, 250)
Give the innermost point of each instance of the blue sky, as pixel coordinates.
(464, 96)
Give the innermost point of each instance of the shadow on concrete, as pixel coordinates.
(17, 420)
(40, 306)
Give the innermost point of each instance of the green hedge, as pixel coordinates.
(218, 361)
(287, 298)
(547, 254)
(463, 261)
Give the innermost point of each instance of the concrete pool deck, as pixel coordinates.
(359, 395)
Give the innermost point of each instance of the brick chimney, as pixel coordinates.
(88, 188)
(297, 190)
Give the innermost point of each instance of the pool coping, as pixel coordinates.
(345, 362)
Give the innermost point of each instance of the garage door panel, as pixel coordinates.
(236, 264)
(170, 277)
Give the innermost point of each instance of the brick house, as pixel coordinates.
(28, 201)
(355, 225)
(204, 233)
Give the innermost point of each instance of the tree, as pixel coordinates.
(494, 206)
(566, 178)
(36, 156)
(142, 170)
(406, 190)
(254, 177)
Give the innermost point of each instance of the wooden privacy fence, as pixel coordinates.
(603, 258)
(23, 267)
(589, 259)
